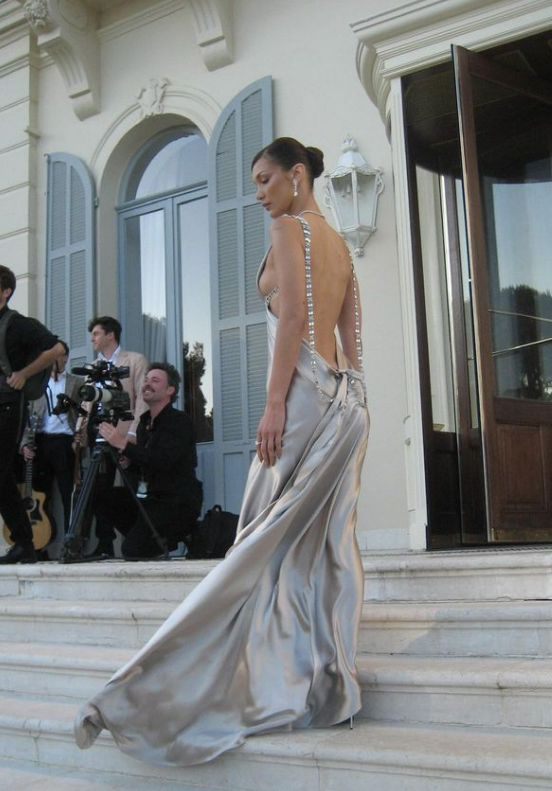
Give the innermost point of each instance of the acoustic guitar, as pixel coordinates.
(34, 502)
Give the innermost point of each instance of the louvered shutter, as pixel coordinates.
(239, 238)
(70, 253)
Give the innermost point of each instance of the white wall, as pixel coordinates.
(309, 49)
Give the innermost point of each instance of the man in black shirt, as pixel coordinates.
(25, 339)
(165, 452)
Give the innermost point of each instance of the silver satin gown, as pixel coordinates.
(268, 639)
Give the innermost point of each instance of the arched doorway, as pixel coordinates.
(164, 283)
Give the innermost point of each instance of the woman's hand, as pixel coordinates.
(269, 434)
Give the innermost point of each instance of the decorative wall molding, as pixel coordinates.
(15, 103)
(11, 33)
(150, 97)
(185, 101)
(25, 229)
(17, 187)
(138, 20)
(212, 21)
(14, 146)
(11, 15)
(419, 34)
(15, 65)
(67, 30)
(37, 14)
(213, 29)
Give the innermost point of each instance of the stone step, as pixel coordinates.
(505, 693)
(507, 629)
(483, 574)
(15, 776)
(119, 624)
(466, 575)
(515, 629)
(155, 581)
(468, 691)
(382, 757)
(58, 672)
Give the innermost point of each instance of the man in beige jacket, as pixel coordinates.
(105, 332)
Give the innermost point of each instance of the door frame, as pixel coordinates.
(493, 408)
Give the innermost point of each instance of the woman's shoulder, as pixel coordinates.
(286, 223)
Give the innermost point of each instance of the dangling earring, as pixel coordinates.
(295, 188)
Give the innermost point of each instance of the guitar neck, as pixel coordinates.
(29, 478)
(31, 441)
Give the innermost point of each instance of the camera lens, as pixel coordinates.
(94, 394)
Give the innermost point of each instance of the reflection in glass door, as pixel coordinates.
(518, 207)
(144, 253)
(196, 359)
(506, 132)
(197, 354)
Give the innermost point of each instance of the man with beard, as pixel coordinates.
(165, 454)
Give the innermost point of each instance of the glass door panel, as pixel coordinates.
(506, 129)
(517, 201)
(196, 315)
(144, 284)
(467, 302)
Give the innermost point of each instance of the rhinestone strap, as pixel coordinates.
(358, 337)
(310, 308)
(272, 293)
(310, 303)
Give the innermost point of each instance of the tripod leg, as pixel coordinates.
(73, 545)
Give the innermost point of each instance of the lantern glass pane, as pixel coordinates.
(366, 186)
(343, 193)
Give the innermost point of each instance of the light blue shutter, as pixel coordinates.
(70, 259)
(239, 238)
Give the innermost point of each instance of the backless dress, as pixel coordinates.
(268, 639)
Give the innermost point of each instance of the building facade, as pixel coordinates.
(126, 136)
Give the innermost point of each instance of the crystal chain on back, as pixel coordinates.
(358, 337)
(310, 309)
(310, 302)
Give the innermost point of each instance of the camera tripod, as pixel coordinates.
(73, 544)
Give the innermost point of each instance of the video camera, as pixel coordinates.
(103, 389)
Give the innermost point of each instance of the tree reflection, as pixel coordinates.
(194, 401)
(522, 317)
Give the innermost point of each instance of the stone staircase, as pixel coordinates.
(455, 664)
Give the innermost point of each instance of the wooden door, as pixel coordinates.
(505, 123)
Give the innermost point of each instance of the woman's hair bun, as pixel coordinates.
(316, 159)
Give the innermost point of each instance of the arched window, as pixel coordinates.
(164, 264)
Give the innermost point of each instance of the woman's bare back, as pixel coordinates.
(331, 285)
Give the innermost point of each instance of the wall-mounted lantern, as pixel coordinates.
(352, 193)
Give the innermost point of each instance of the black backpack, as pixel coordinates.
(214, 534)
(35, 386)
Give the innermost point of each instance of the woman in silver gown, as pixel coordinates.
(268, 639)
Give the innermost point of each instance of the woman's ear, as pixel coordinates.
(298, 171)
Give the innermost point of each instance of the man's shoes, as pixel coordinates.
(19, 554)
(103, 551)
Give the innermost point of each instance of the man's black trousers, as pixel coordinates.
(11, 504)
(55, 460)
(118, 510)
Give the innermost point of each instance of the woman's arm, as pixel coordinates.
(346, 325)
(289, 262)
